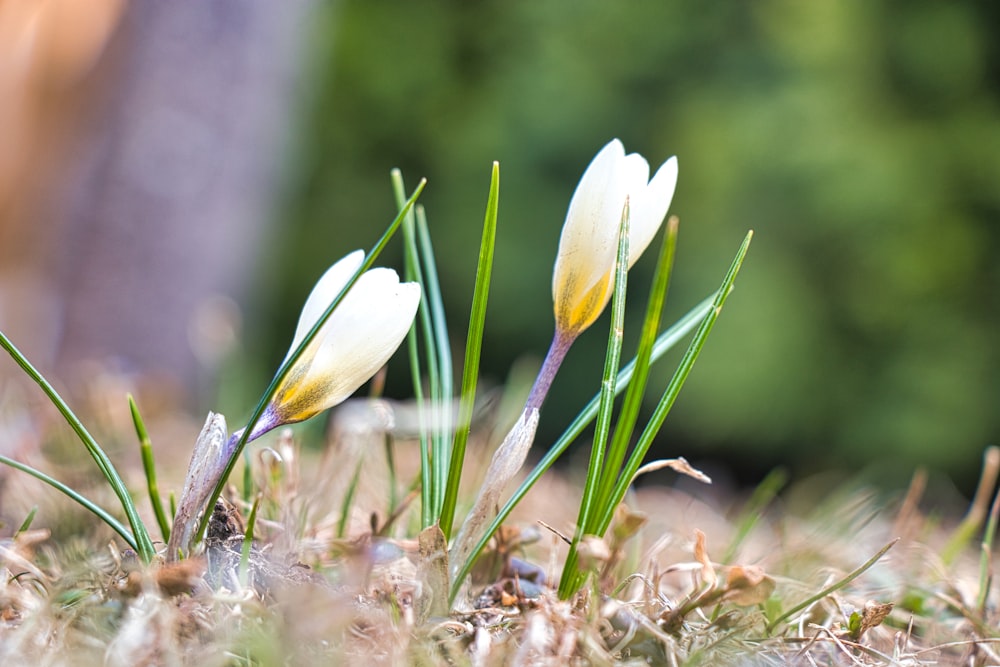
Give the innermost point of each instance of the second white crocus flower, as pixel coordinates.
(358, 339)
(582, 283)
(583, 279)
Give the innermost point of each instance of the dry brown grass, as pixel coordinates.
(663, 590)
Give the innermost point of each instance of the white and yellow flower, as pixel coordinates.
(583, 279)
(358, 339)
(582, 283)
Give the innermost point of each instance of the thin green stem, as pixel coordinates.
(422, 324)
(390, 464)
(444, 389)
(832, 588)
(28, 520)
(674, 387)
(81, 500)
(986, 556)
(149, 467)
(473, 349)
(141, 542)
(612, 358)
(629, 414)
(244, 569)
(978, 509)
(345, 506)
(754, 510)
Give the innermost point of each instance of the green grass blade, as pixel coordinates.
(81, 500)
(605, 410)
(28, 520)
(244, 569)
(986, 557)
(345, 506)
(293, 358)
(248, 485)
(833, 588)
(974, 518)
(390, 465)
(443, 392)
(674, 387)
(664, 343)
(422, 324)
(149, 467)
(141, 542)
(473, 348)
(637, 388)
(754, 510)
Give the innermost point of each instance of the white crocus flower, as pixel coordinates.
(358, 339)
(583, 279)
(582, 283)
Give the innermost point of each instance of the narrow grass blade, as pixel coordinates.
(28, 520)
(390, 465)
(435, 437)
(986, 557)
(664, 343)
(421, 326)
(673, 388)
(473, 348)
(244, 570)
(293, 358)
(141, 542)
(345, 506)
(81, 500)
(833, 588)
(754, 509)
(149, 467)
(602, 428)
(427, 513)
(974, 518)
(625, 425)
(443, 392)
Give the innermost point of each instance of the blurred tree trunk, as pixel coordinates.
(148, 217)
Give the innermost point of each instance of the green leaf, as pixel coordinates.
(674, 386)
(625, 425)
(140, 539)
(244, 569)
(81, 500)
(473, 349)
(149, 467)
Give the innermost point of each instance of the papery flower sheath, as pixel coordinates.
(583, 278)
(358, 339)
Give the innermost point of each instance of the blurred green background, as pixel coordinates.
(860, 140)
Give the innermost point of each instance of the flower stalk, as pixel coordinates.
(615, 186)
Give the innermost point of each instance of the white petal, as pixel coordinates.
(636, 172)
(649, 206)
(362, 334)
(581, 279)
(326, 290)
(589, 235)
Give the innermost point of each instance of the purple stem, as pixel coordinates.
(561, 343)
(268, 421)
